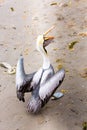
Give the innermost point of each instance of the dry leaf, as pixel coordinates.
(58, 60)
(65, 4)
(84, 73)
(64, 91)
(53, 3)
(83, 34)
(67, 71)
(14, 28)
(26, 51)
(55, 49)
(12, 9)
(84, 125)
(60, 66)
(60, 17)
(71, 45)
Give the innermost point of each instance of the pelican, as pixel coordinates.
(45, 81)
(27, 82)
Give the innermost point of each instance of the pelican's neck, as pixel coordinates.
(39, 46)
(46, 61)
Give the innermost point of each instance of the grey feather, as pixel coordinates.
(42, 93)
(47, 89)
(23, 81)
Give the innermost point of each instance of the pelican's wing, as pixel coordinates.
(48, 89)
(22, 80)
(24, 83)
(47, 74)
(24, 86)
(37, 78)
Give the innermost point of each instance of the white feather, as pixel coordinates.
(47, 75)
(48, 88)
(36, 78)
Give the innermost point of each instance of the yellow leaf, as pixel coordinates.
(64, 91)
(55, 49)
(12, 9)
(84, 73)
(83, 34)
(84, 124)
(26, 51)
(53, 3)
(71, 45)
(60, 66)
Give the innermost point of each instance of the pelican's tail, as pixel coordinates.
(48, 89)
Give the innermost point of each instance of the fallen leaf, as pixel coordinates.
(60, 66)
(26, 51)
(55, 49)
(84, 125)
(12, 9)
(84, 73)
(71, 23)
(58, 60)
(67, 71)
(83, 34)
(64, 91)
(14, 28)
(74, 111)
(53, 3)
(71, 45)
(14, 48)
(60, 17)
(1, 44)
(69, 3)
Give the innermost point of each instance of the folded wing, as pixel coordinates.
(48, 88)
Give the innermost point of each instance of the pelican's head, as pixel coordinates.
(43, 41)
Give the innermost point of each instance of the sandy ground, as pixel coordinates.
(21, 21)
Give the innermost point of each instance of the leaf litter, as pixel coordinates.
(12, 9)
(83, 74)
(71, 45)
(53, 3)
(83, 34)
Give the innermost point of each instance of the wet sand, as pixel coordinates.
(20, 23)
